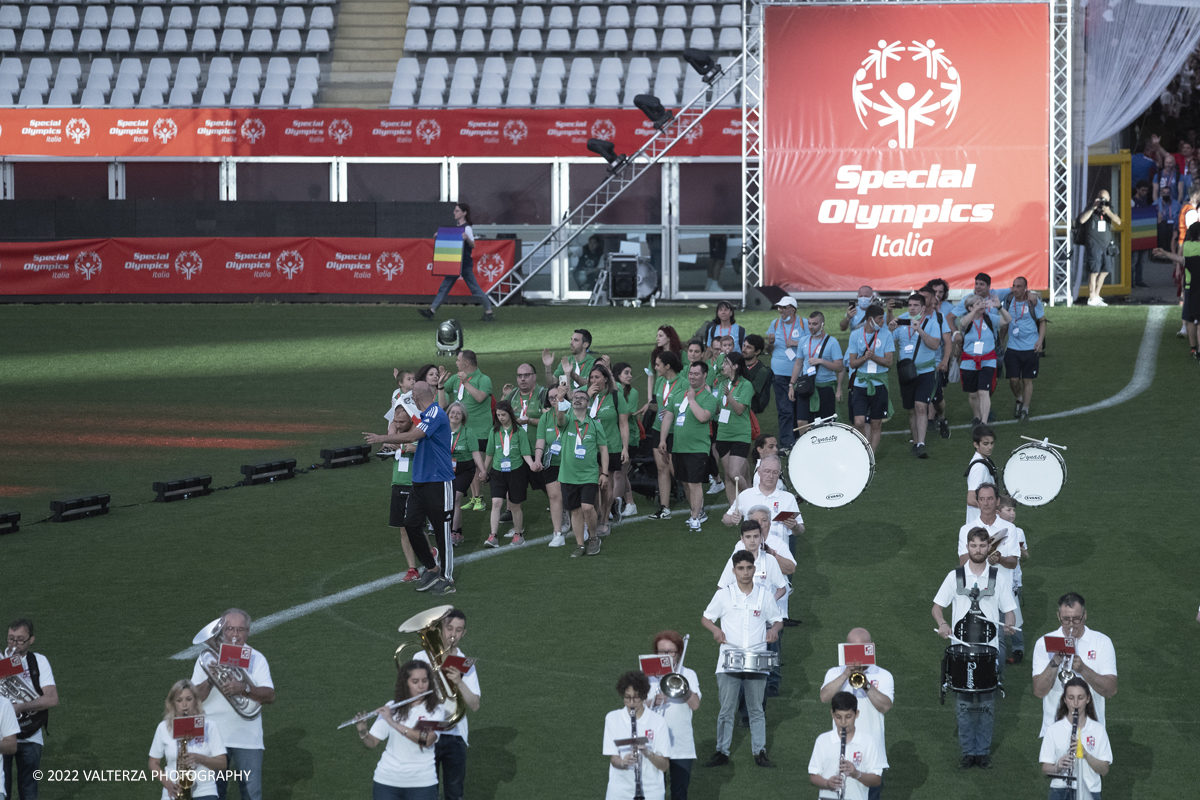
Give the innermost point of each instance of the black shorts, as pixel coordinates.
(577, 495)
(736, 449)
(540, 480)
(864, 405)
(918, 391)
(429, 501)
(1021, 363)
(614, 460)
(1097, 260)
(1191, 305)
(940, 381)
(511, 485)
(978, 380)
(827, 405)
(399, 506)
(464, 473)
(690, 467)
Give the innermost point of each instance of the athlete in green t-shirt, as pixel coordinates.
(668, 391)
(584, 470)
(576, 366)
(735, 391)
(548, 450)
(468, 461)
(474, 390)
(627, 423)
(693, 439)
(510, 459)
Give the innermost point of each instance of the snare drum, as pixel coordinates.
(971, 668)
(831, 465)
(1035, 474)
(749, 660)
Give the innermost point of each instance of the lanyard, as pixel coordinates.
(524, 401)
(454, 444)
(578, 436)
(506, 440)
(1024, 305)
(723, 332)
(979, 329)
(725, 395)
(914, 330)
(811, 349)
(871, 346)
(668, 389)
(787, 334)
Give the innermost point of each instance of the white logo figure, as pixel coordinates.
(253, 130)
(88, 263)
(78, 129)
(290, 263)
(491, 265)
(902, 110)
(428, 130)
(188, 264)
(165, 129)
(515, 130)
(694, 134)
(341, 130)
(390, 264)
(604, 129)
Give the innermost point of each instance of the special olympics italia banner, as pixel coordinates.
(352, 132)
(906, 142)
(237, 266)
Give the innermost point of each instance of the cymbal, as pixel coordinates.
(208, 631)
(424, 619)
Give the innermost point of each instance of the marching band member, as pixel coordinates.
(767, 575)
(678, 714)
(243, 738)
(9, 728)
(1095, 661)
(451, 749)
(874, 699)
(1008, 552)
(205, 754)
(1060, 753)
(856, 760)
(406, 770)
(631, 767)
(976, 711)
(749, 621)
(40, 677)
(982, 469)
(771, 494)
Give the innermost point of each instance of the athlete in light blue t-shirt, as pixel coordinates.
(1026, 340)
(783, 344)
(871, 352)
(919, 337)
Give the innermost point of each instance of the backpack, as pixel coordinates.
(762, 398)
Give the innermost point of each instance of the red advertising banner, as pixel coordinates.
(237, 266)
(915, 146)
(352, 132)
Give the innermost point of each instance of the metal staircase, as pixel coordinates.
(582, 216)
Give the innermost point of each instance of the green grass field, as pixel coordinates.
(110, 398)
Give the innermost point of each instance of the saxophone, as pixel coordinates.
(186, 777)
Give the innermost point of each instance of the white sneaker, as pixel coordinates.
(704, 516)
(630, 510)
(715, 487)
(712, 286)
(509, 535)
(558, 541)
(693, 524)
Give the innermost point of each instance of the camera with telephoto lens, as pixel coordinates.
(1102, 202)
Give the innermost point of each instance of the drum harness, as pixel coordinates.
(973, 627)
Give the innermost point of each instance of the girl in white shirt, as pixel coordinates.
(205, 754)
(406, 770)
(1093, 756)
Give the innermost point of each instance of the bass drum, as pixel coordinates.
(971, 668)
(831, 465)
(1035, 474)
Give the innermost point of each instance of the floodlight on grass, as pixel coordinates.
(346, 456)
(182, 489)
(608, 151)
(449, 338)
(8, 522)
(269, 472)
(79, 507)
(652, 107)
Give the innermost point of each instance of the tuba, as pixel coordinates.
(16, 689)
(674, 685)
(218, 673)
(428, 627)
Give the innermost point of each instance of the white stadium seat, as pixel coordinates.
(249, 68)
(495, 65)
(646, 17)
(294, 18)
(62, 41)
(66, 17)
(672, 39)
(317, 41)
(616, 39)
(232, 40)
(276, 82)
(607, 98)
(29, 97)
(180, 98)
(261, 41)
(560, 17)
(547, 97)
(517, 98)
(558, 41)
(10, 17)
(92, 98)
(531, 39)
(576, 98)
(68, 67)
(533, 17)
(208, 17)
(415, 41)
(123, 18)
(474, 18)
(90, 41)
(175, 41)
(117, 41)
(501, 41)
(271, 98)
(121, 98)
(401, 98)
(460, 98)
(472, 41)
(444, 41)
(237, 18)
(289, 41)
(554, 67)
(152, 17)
(589, 17)
(34, 41)
(101, 66)
(241, 98)
(151, 98)
(418, 18)
(703, 17)
(437, 66)
(644, 39)
(95, 17)
(466, 66)
(147, 41)
(615, 17)
(38, 17)
(204, 40)
(300, 98)
(181, 18)
(430, 98)
(504, 17)
(489, 98)
(128, 81)
(641, 66)
(212, 97)
(280, 65)
(266, 18)
(702, 39)
(674, 17)
(731, 15)
(491, 80)
(447, 18)
(731, 39)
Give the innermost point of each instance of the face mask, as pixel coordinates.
(564, 405)
(863, 302)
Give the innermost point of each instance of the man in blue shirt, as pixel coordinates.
(919, 338)
(1026, 339)
(432, 489)
(983, 290)
(821, 357)
(1144, 165)
(870, 354)
(857, 312)
(783, 345)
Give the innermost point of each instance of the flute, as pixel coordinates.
(391, 704)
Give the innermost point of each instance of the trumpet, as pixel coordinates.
(674, 685)
(858, 679)
(1065, 673)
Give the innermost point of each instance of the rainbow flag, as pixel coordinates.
(448, 246)
(1143, 228)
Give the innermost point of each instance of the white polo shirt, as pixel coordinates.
(404, 763)
(766, 574)
(45, 678)
(744, 619)
(621, 782)
(678, 716)
(1011, 546)
(863, 751)
(870, 719)
(993, 607)
(1095, 649)
(977, 474)
(471, 679)
(779, 500)
(1057, 742)
(236, 732)
(210, 744)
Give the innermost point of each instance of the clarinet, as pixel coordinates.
(841, 758)
(1073, 772)
(637, 765)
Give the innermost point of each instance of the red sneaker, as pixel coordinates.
(410, 576)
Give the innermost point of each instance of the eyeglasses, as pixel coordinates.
(525, 374)
(668, 652)
(16, 640)
(231, 629)
(1070, 620)
(631, 698)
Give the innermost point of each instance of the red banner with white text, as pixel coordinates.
(904, 143)
(350, 132)
(237, 266)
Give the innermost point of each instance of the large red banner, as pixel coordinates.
(237, 266)
(329, 132)
(906, 142)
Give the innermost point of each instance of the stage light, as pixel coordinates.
(703, 62)
(347, 456)
(449, 338)
(269, 472)
(182, 489)
(607, 151)
(79, 507)
(8, 522)
(652, 107)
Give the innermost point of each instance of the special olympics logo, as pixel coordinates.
(694, 134)
(428, 130)
(341, 130)
(515, 130)
(253, 130)
(78, 129)
(188, 264)
(905, 100)
(491, 265)
(390, 264)
(165, 129)
(88, 263)
(604, 129)
(290, 263)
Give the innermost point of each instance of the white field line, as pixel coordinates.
(312, 606)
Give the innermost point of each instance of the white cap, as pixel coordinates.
(406, 402)
(787, 300)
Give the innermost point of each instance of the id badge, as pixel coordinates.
(724, 416)
(977, 348)
(810, 371)
(908, 348)
(679, 419)
(402, 463)
(506, 465)
(1101, 226)
(580, 451)
(872, 367)
(555, 448)
(790, 353)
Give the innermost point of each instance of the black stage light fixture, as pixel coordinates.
(347, 456)
(449, 338)
(652, 107)
(182, 489)
(79, 507)
(8, 522)
(269, 472)
(703, 62)
(608, 151)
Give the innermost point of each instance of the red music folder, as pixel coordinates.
(188, 727)
(862, 654)
(655, 666)
(459, 663)
(11, 666)
(427, 725)
(1060, 644)
(235, 656)
(784, 516)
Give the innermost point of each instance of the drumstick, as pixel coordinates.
(1043, 441)
(733, 507)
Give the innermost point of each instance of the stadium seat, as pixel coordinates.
(608, 82)
(306, 81)
(68, 67)
(472, 41)
(62, 41)
(289, 41)
(635, 85)
(415, 41)
(30, 97)
(668, 66)
(558, 41)
(616, 39)
(703, 17)
(447, 18)
(466, 66)
(100, 66)
(518, 98)
(38, 18)
(118, 41)
(237, 18)
(175, 41)
(10, 17)
(95, 17)
(276, 82)
(437, 66)
(271, 98)
(702, 39)
(187, 83)
(152, 18)
(501, 41)
(66, 17)
(232, 40)
(401, 98)
(181, 18)
(548, 97)
(280, 65)
(731, 16)
(640, 65)
(128, 81)
(123, 18)
(266, 18)
(730, 39)
(180, 98)
(147, 41)
(92, 98)
(405, 66)
(495, 65)
(489, 98)
(607, 98)
(615, 17)
(151, 98)
(532, 17)
(294, 18)
(474, 18)
(612, 66)
(589, 17)
(588, 40)
(582, 66)
(212, 97)
(431, 97)
(444, 41)
(261, 41)
(504, 17)
(204, 40)
(554, 67)
(300, 98)
(249, 68)
(60, 97)
(491, 80)
(460, 98)
(12, 66)
(241, 98)
(560, 17)
(418, 18)
(674, 16)
(317, 41)
(577, 98)
(646, 17)
(6, 98)
(643, 39)
(531, 39)
(34, 41)
(40, 66)
(672, 39)
(667, 95)
(121, 98)
(90, 41)
(208, 17)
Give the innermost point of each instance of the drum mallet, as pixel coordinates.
(1044, 442)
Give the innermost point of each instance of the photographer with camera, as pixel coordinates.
(1099, 247)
